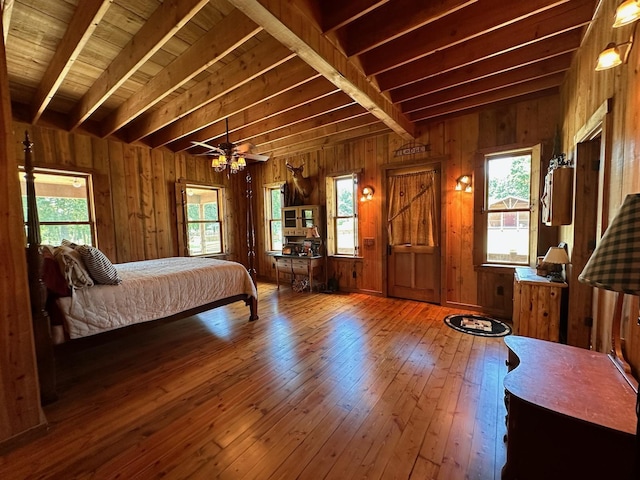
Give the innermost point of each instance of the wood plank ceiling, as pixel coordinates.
(288, 75)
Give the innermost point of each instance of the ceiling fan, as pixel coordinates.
(227, 154)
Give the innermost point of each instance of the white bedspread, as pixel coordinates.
(153, 289)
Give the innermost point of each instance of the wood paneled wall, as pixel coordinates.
(134, 190)
(135, 200)
(584, 91)
(457, 140)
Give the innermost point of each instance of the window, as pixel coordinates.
(342, 220)
(509, 208)
(273, 216)
(204, 224)
(65, 208)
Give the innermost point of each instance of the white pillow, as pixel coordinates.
(100, 267)
(72, 267)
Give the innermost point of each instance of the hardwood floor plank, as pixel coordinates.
(322, 386)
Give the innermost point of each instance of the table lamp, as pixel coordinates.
(558, 257)
(615, 265)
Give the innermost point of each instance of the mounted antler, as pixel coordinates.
(304, 185)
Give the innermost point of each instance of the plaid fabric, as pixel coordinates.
(615, 263)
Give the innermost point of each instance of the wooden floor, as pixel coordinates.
(322, 386)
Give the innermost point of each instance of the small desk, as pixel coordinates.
(571, 414)
(297, 265)
(536, 305)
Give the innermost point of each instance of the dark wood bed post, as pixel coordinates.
(251, 245)
(40, 317)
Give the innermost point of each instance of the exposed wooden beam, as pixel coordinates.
(480, 18)
(280, 79)
(7, 11)
(305, 94)
(320, 133)
(567, 17)
(234, 30)
(165, 21)
(514, 76)
(545, 84)
(534, 52)
(328, 140)
(393, 20)
(338, 13)
(291, 28)
(315, 110)
(253, 63)
(85, 20)
(308, 125)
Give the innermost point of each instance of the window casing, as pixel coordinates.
(273, 216)
(65, 206)
(203, 214)
(342, 221)
(509, 209)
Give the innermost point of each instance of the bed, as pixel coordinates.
(145, 291)
(154, 289)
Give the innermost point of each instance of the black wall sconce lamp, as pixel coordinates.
(463, 183)
(367, 193)
(616, 54)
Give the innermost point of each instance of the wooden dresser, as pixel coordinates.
(305, 266)
(536, 305)
(571, 414)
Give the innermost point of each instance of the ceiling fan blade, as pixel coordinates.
(256, 157)
(244, 148)
(203, 144)
(211, 149)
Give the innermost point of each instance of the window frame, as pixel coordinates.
(268, 215)
(88, 179)
(481, 200)
(220, 193)
(333, 217)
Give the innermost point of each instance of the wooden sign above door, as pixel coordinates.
(411, 149)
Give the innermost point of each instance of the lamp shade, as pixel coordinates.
(615, 263)
(557, 255)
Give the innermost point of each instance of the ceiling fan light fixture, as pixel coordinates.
(626, 13)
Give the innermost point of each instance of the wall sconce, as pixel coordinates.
(626, 13)
(367, 193)
(610, 57)
(464, 183)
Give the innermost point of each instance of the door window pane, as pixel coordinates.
(508, 193)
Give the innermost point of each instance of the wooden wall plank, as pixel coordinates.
(147, 210)
(118, 193)
(103, 200)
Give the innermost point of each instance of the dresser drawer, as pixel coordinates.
(300, 266)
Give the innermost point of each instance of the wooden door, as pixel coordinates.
(413, 267)
(584, 239)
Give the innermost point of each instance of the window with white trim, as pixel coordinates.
(273, 217)
(509, 208)
(342, 224)
(204, 220)
(65, 206)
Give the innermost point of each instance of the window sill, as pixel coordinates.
(346, 257)
(221, 256)
(497, 267)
